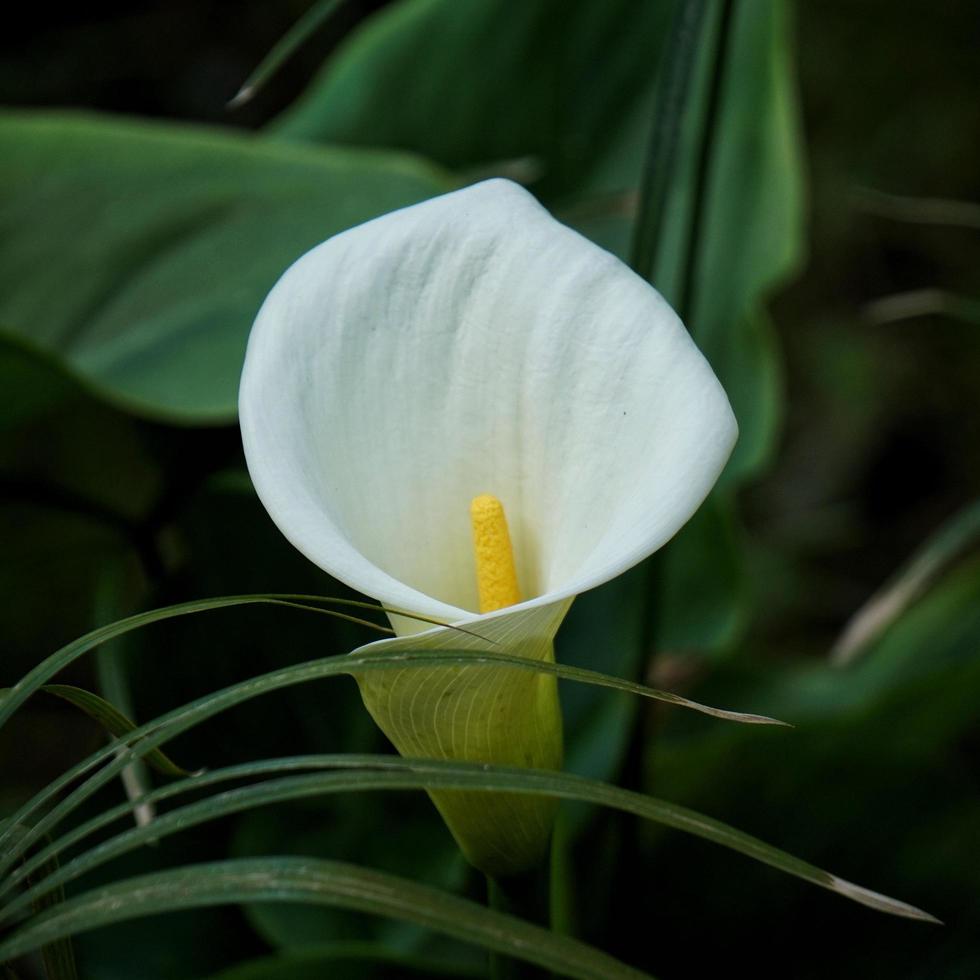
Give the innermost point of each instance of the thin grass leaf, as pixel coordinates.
(331, 883)
(919, 210)
(58, 956)
(316, 17)
(115, 596)
(960, 533)
(148, 736)
(922, 302)
(154, 733)
(23, 689)
(382, 772)
(113, 721)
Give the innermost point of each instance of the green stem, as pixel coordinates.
(669, 111)
(702, 173)
(526, 897)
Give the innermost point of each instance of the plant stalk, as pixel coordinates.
(524, 896)
(669, 111)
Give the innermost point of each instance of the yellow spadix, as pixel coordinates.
(496, 576)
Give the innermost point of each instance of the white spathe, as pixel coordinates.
(467, 345)
(472, 344)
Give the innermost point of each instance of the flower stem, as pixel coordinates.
(709, 128)
(524, 896)
(671, 105)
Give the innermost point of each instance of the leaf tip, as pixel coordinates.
(881, 902)
(241, 97)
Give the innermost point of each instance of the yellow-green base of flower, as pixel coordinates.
(485, 713)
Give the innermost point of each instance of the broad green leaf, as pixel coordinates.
(701, 600)
(390, 772)
(33, 384)
(184, 229)
(563, 93)
(287, 879)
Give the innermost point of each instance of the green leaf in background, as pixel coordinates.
(33, 384)
(139, 253)
(703, 588)
(752, 236)
(487, 61)
(287, 879)
(881, 754)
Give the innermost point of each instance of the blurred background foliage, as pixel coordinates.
(831, 282)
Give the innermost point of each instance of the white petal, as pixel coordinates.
(471, 344)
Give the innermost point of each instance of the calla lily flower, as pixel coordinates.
(473, 345)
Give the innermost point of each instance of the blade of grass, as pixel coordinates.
(116, 595)
(331, 883)
(383, 772)
(113, 721)
(316, 17)
(58, 956)
(960, 533)
(147, 737)
(17, 694)
(154, 733)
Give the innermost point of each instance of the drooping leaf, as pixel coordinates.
(112, 720)
(178, 234)
(392, 772)
(354, 664)
(152, 734)
(287, 879)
